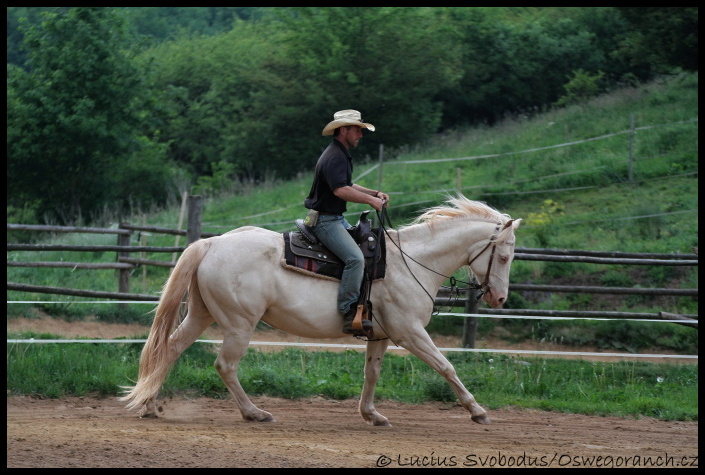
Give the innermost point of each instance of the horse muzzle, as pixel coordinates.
(493, 299)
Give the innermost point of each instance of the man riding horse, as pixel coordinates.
(332, 188)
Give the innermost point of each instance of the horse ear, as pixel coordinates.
(513, 223)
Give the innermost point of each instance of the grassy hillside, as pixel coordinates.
(577, 176)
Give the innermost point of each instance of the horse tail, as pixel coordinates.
(155, 362)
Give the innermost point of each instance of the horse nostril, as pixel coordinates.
(501, 300)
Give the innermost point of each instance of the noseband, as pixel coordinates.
(485, 286)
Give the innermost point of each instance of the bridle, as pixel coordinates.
(483, 288)
(485, 285)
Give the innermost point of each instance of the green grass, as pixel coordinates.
(625, 389)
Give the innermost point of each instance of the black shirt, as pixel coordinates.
(333, 170)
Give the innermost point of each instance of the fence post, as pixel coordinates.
(143, 255)
(123, 274)
(194, 218)
(470, 323)
(379, 171)
(184, 197)
(631, 147)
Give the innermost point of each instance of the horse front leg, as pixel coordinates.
(373, 364)
(421, 345)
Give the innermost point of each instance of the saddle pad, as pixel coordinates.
(300, 254)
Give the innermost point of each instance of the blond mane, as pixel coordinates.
(459, 207)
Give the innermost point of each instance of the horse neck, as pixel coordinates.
(444, 245)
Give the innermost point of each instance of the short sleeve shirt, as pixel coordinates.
(333, 170)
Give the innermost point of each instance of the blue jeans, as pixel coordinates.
(332, 232)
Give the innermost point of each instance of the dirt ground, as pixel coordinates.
(87, 432)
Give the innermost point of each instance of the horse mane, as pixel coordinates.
(459, 207)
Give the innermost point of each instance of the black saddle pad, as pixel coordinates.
(316, 259)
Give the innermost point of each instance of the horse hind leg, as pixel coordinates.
(233, 349)
(194, 324)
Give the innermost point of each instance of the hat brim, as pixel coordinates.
(328, 130)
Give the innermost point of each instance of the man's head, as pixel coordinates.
(348, 135)
(346, 118)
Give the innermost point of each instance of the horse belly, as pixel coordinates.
(242, 277)
(305, 306)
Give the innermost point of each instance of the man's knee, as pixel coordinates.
(355, 262)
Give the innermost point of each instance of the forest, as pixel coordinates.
(124, 108)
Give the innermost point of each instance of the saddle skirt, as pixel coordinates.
(304, 253)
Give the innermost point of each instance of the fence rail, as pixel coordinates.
(603, 260)
(42, 289)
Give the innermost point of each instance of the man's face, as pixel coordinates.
(350, 135)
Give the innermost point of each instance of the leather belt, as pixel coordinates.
(323, 213)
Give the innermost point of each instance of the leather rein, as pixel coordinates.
(483, 288)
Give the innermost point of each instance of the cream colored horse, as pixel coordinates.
(238, 279)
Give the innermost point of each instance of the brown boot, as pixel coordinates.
(348, 322)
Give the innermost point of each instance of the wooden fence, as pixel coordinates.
(125, 264)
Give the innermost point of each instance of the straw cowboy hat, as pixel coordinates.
(346, 117)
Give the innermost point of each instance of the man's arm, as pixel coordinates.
(360, 194)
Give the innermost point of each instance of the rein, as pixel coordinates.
(483, 288)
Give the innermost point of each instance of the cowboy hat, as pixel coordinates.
(346, 117)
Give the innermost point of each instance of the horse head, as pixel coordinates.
(492, 263)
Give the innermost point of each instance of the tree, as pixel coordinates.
(207, 87)
(667, 36)
(519, 62)
(581, 87)
(386, 62)
(74, 116)
(258, 96)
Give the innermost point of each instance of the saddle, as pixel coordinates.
(305, 253)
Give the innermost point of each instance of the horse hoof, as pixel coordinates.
(266, 417)
(378, 421)
(149, 415)
(481, 419)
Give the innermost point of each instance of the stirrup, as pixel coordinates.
(361, 324)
